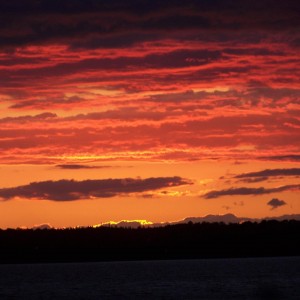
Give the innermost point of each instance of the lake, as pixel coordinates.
(238, 278)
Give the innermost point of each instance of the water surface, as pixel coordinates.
(246, 278)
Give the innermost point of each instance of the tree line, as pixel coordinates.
(180, 241)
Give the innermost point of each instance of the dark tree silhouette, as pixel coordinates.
(199, 240)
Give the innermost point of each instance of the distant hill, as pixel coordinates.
(227, 219)
(285, 217)
(231, 218)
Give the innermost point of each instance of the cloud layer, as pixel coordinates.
(93, 84)
(69, 190)
(150, 80)
(95, 24)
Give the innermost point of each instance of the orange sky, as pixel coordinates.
(148, 111)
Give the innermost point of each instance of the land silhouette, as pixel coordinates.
(227, 219)
(180, 241)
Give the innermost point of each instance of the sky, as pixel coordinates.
(148, 110)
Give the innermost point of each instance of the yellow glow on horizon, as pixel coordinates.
(114, 223)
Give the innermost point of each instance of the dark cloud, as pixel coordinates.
(255, 93)
(69, 190)
(271, 172)
(251, 51)
(274, 203)
(27, 118)
(126, 114)
(174, 59)
(80, 21)
(41, 103)
(250, 191)
(291, 157)
(78, 167)
(178, 97)
(254, 180)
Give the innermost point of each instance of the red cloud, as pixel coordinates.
(156, 77)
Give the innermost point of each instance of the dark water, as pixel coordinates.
(251, 278)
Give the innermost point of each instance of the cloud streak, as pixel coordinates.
(271, 172)
(70, 190)
(249, 191)
(79, 167)
(291, 157)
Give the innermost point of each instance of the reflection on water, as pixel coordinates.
(251, 278)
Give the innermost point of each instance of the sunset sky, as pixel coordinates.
(148, 110)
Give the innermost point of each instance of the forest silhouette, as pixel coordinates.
(181, 241)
